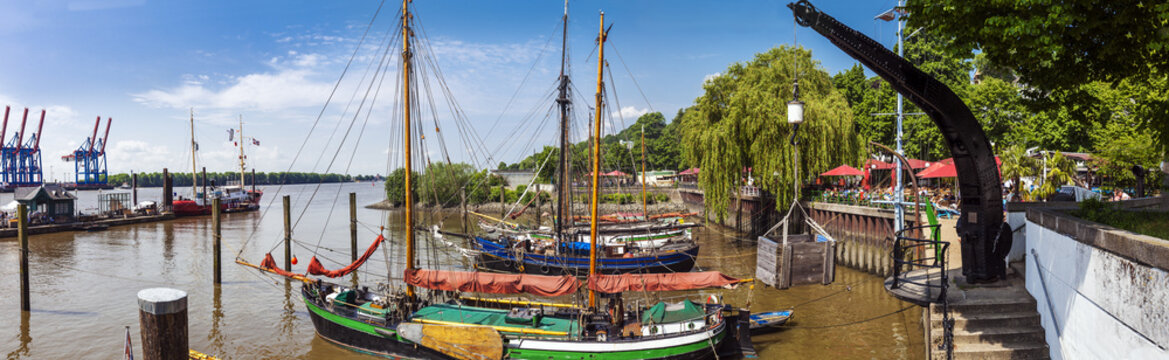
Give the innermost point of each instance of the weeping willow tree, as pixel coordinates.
(740, 122)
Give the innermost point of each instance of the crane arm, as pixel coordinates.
(20, 135)
(984, 245)
(40, 126)
(4, 128)
(106, 138)
(93, 139)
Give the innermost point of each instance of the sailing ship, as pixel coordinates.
(238, 198)
(443, 324)
(199, 203)
(650, 245)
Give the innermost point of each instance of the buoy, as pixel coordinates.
(294, 260)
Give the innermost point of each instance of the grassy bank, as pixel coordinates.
(1152, 223)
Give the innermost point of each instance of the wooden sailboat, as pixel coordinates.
(418, 324)
(199, 203)
(653, 247)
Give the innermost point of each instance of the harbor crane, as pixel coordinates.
(89, 160)
(20, 159)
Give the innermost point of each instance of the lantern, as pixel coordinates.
(795, 112)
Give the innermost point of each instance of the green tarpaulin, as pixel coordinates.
(670, 313)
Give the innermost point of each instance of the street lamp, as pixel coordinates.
(899, 14)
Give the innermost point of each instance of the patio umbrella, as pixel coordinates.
(843, 170)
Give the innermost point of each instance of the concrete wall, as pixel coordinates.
(1108, 289)
(1017, 217)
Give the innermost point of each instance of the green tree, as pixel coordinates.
(396, 185)
(1017, 164)
(1060, 171)
(739, 122)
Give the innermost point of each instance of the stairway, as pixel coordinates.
(999, 322)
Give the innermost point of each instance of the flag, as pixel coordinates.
(230, 134)
(129, 347)
(255, 142)
(196, 146)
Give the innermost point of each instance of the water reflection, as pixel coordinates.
(288, 316)
(25, 338)
(216, 336)
(168, 241)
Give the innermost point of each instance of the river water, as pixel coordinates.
(84, 285)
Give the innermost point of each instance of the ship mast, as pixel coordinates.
(241, 152)
(644, 210)
(564, 186)
(596, 160)
(409, 203)
(194, 147)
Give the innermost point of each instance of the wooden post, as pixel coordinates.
(162, 320)
(22, 233)
(217, 235)
(204, 179)
(538, 203)
(253, 180)
(353, 225)
(502, 202)
(287, 233)
(463, 205)
(168, 195)
(134, 189)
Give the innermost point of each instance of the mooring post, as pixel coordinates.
(204, 179)
(463, 205)
(353, 226)
(162, 320)
(133, 189)
(287, 233)
(253, 180)
(167, 191)
(216, 226)
(502, 201)
(538, 204)
(22, 233)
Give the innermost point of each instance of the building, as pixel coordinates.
(51, 200)
(658, 177)
(515, 177)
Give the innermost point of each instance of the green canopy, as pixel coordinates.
(670, 313)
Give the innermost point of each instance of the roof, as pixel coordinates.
(54, 192)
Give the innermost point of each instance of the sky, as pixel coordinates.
(146, 64)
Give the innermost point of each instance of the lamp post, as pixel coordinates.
(898, 196)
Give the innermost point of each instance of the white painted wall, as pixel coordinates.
(1019, 246)
(1106, 306)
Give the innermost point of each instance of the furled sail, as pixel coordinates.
(611, 284)
(315, 267)
(480, 282)
(270, 264)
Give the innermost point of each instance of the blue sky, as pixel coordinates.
(145, 63)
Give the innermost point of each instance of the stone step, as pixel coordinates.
(1003, 351)
(977, 322)
(987, 306)
(1001, 334)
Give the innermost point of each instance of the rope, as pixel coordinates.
(853, 322)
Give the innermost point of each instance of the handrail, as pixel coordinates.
(904, 242)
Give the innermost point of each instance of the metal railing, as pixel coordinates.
(911, 253)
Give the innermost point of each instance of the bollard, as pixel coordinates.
(216, 226)
(287, 233)
(353, 225)
(162, 320)
(22, 233)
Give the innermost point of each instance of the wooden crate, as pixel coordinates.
(801, 260)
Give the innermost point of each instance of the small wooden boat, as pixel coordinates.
(769, 321)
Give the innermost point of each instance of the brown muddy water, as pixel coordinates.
(84, 285)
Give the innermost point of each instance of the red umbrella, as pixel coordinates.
(843, 170)
(615, 173)
(946, 169)
(690, 171)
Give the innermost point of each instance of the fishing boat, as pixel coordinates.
(440, 322)
(644, 245)
(768, 321)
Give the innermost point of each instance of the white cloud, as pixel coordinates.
(629, 113)
(710, 77)
(292, 83)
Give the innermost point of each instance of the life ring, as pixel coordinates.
(544, 268)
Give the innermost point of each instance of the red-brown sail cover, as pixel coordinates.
(491, 283)
(270, 264)
(611, 284)
(315, 267)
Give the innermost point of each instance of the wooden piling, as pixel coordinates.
(133, 189)
(502, 202)
(217, 234)
(463, 205)
(162, 320)
(287, 233)
(253, 180)
(168, 195)
(22, 233)
(353, 226)
(538, 214)
(204, 179)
